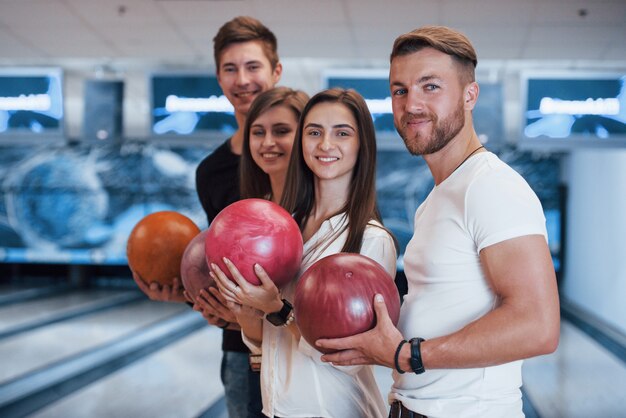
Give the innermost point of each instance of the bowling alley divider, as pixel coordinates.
(92, 308)
(32, 293)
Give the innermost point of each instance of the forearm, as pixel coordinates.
(504, 335)
(252, 327)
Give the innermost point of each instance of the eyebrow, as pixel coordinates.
(226, 64)
(338, 126)
(421, 80)
(273, 125)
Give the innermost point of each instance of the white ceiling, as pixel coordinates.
(179, 32)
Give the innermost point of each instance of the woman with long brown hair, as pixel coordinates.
(330, 190)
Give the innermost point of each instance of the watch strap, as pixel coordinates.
(416, 355)
(281, 317)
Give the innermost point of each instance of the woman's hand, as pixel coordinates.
(264, 297)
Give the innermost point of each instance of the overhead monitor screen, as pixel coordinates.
(373, 86)
(31, 101)
(575, 110)
(188, 104)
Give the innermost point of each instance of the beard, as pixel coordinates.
(442, 133)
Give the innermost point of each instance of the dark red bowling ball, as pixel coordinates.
(194, 269)
(156, 245)
(254, 231)
(335, 297)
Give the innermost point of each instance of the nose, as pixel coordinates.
(268, 141)
(242, 77)
(326, 143)
(414, 102)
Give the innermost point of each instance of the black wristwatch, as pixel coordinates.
(282, 317)
(416, 356)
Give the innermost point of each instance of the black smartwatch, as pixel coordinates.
(281, 317)
(416, 356)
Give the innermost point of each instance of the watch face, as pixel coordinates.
(275, 319)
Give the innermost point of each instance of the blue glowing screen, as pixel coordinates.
(565, 108)
(30, 103)
(189, 104)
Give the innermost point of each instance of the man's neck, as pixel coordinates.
(445, 161)
(236, 141)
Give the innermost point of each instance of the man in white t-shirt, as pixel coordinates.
(482, 291)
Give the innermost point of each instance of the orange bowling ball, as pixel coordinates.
(156, 245)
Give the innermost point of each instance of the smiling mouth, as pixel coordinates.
(270, 155)
(328, 159)
(245, 94)
(417, 121)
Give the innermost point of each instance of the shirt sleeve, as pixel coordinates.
(380, 247)
(502, 206)
(254, 347)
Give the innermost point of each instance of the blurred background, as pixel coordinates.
(107, 107)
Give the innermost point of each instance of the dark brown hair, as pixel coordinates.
(299, 194)
(245, 29)
(443, 39)
(254, 181)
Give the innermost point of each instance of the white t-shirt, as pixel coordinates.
(294, 381)
(482, 203)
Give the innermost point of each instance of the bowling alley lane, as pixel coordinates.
(37, 348)
(181, 380)
(581, 379)
(37, 311)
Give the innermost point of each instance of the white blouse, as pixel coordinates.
(294, 381)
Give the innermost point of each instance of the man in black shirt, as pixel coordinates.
(247, 64)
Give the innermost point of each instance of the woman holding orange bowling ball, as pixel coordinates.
(330, 190)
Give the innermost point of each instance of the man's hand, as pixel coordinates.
(376, 346)
(213, 307)
(159, 292)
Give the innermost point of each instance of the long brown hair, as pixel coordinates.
(254, 181)
(299, 194)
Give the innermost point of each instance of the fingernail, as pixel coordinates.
(213, 266)
(258, 267)
(225, 260)
(379, 298)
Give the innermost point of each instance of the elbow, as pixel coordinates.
(548, 339)
(550, 343)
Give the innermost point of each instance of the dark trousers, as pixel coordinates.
(400, 411)
(255, 404)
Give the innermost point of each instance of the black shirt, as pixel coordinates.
(217, 180)
(217, 184)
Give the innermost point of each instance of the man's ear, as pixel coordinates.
(278, 72)
(470, 94)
